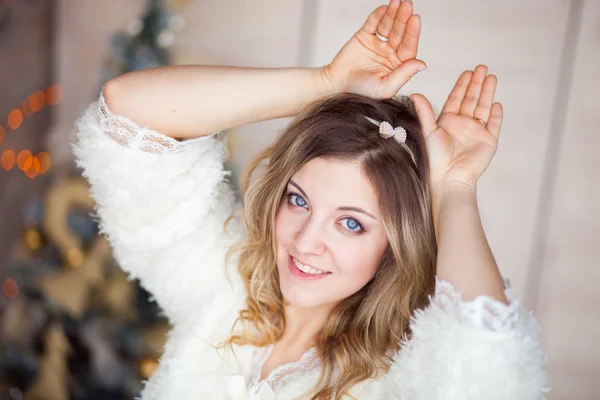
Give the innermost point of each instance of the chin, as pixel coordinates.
(300, 293)
(302, 298)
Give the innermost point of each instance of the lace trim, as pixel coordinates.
(129, 134)
(283, 374)
(481, 312)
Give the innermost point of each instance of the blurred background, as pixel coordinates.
(73, 327)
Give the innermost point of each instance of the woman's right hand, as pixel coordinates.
(369, 66)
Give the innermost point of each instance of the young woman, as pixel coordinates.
(359, 267)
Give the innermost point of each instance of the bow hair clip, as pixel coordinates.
(386, 130)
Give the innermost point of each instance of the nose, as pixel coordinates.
(309, 238)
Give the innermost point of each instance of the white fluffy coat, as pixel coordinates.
(162, 204)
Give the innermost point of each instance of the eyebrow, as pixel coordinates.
(343, 208)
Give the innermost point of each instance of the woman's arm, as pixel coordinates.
(461, 144)
(473, 341)
(189, 101)
(162, 202)
(464, 256)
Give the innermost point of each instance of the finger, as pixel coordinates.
(484, 106)
(385, 26)
(404, 13)
(373, 20)
(495, 122)
(456, 96)
(425, 113)
(410, 41)
(398, 77)
(473, 91)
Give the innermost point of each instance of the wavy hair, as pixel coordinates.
(365, 330)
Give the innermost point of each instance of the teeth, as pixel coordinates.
(307, 269)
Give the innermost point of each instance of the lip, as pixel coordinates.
(302, 275)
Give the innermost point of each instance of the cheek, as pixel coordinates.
(359, 260)
(283, 226)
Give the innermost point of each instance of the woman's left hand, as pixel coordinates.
(463, 140)
(367, 65)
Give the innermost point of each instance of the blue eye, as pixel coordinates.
(296, 200)
(352, 225)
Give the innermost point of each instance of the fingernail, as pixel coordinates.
(422, 68)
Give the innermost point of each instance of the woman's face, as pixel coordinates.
(329, 233)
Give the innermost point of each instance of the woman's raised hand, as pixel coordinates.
(463, 140)
(373, 67)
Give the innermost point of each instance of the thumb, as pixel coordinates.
(398, 77)
(425, 113)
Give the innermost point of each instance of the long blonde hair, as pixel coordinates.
(366, 328)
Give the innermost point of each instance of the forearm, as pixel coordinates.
(464, 256)
(189, 101)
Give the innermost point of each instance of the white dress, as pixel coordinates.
(162, 204)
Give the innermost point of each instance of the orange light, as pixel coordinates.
(15, 118)
(8, 160)
(33, 239)
(36, 164)
(22, 158)
(31, 172)
(28, 163)
(10, 288)
(40, 98)
(54, 94)
(44, 161)
(32, 167)
(74, 257)
(2, 134)
(34, 104)
(147, 366)
(26, 106)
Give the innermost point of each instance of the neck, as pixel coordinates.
(302, 324)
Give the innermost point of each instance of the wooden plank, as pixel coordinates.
(569, 297)
(519, 41)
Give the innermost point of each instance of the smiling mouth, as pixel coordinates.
(300, 270)
(307, 269)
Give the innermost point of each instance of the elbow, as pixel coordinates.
(113, 95)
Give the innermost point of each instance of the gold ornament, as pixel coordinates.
(33, 239)
(70, 287)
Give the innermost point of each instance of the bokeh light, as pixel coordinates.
(40, 99)
(28, 163)
(26, 106)
(10, 288)
(33, 103)
(8, 159)
(32, 167)
(22, 158)
(33, 239)
(147, 367)
(15, 118)
(54, 94)
(74, 258)
(44, 162)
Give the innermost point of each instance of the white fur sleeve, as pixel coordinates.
(470, 350)
(161, 203)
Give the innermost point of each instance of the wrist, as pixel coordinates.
(451, 195)
(326, 84)
(451, 192)
(442, 187)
